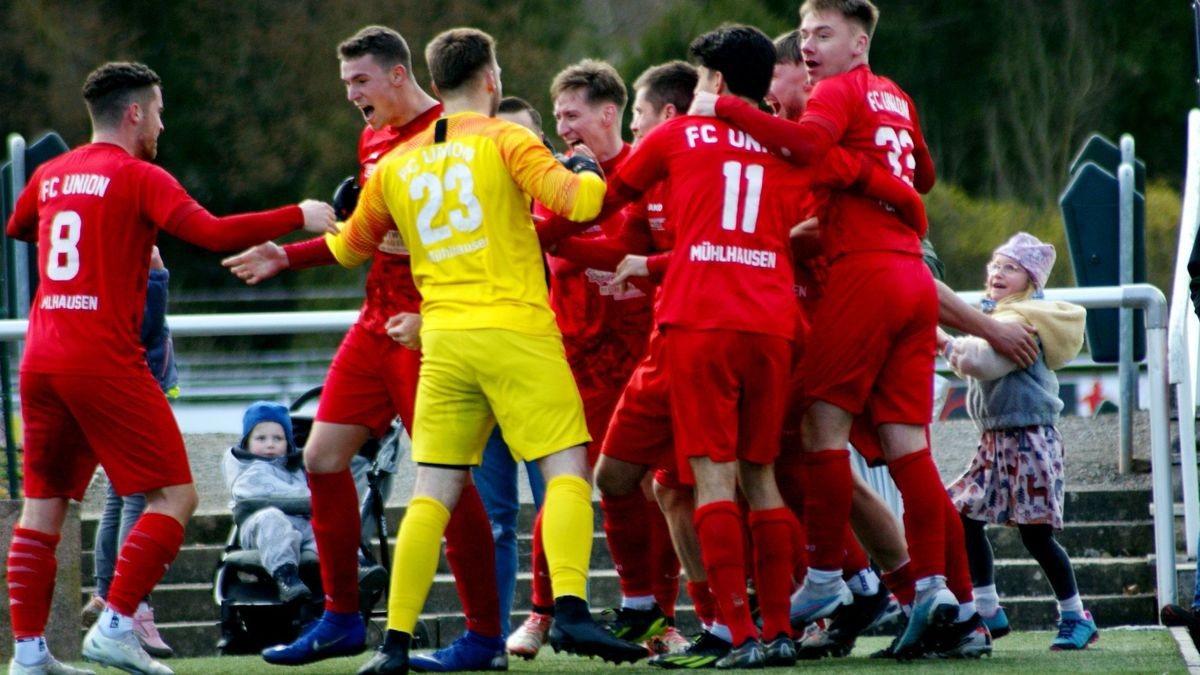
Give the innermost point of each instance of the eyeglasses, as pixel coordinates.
(1007, 268)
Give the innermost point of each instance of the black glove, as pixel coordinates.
(345, 197)
(581, 163)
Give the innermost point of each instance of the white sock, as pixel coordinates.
(31, 651)
(1071, 604)
(987, 600)
(822, 578)
(642, 602)
(865, 582)
(966, 610)
(930, 583)
(113, 624)
(722, 631)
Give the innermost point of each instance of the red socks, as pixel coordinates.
(828, 490)
(629, 541)
(719, 526)
(703, 601)
(856, 558)
(663, 562)
(31, 571)
(958, 570)
(924, 507)
(543, 595)
(901, 583)
(771, 531)
(149, 549)
(471, 552)
(337, 529)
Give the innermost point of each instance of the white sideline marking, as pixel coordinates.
(1187, 649)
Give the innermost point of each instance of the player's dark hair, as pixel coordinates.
(516, 104)
(673, 82)
(457, 56)
(385, 45)
(862, 12)
(743, 55)
(599, 81)
(787, 49)
(110, 89)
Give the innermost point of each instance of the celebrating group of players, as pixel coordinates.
(724, 305)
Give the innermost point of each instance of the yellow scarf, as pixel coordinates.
(1059, 326)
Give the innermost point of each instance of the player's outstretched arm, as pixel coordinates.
(257, 263)
(1014, 341)
(802, 144)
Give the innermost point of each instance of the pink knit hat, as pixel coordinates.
(1036, 257)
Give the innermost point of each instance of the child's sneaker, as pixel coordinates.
(92, 610)
(1076, 630)
(147, 633)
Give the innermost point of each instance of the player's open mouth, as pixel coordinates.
(368, 112)
(811, 64)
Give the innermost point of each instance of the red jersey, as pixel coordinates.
(389, 289)
(872, 115)
(732, 207)
(95, 213)
(604, 333)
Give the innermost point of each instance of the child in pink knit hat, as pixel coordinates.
(1016, 476)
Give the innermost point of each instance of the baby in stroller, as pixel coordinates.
(268, 583)
(271, 502)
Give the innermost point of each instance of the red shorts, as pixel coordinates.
(73, 422)
(728, 394)
(598, 406)
(874, 337)
(640, 430)
(372, 379)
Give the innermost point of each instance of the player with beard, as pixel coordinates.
(87, 397)
(372, 379)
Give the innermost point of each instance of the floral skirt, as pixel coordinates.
(1015, 478)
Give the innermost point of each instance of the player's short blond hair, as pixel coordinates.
(600, 82)
(862, 12)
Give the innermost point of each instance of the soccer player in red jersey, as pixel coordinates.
(728, 315)
(372, 379)
(871, 349)
(87, 396)
(604, 332)
(638, 438)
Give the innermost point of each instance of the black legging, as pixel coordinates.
(1038, 540)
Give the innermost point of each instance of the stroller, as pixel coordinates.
(252, 614)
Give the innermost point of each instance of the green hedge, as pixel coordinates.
(965, 230)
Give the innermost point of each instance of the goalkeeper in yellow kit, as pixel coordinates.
(459, 194)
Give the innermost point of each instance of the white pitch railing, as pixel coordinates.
(1137, 296)
(1184, 338)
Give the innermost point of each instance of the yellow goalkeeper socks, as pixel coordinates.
(567, 534)
(418, 546)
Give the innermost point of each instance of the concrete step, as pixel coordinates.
(1117, 538)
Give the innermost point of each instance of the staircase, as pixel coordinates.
(1108, 534)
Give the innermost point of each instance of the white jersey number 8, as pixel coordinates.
(466, 218)
(63, 262)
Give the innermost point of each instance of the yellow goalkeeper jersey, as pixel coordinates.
(459, 194)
